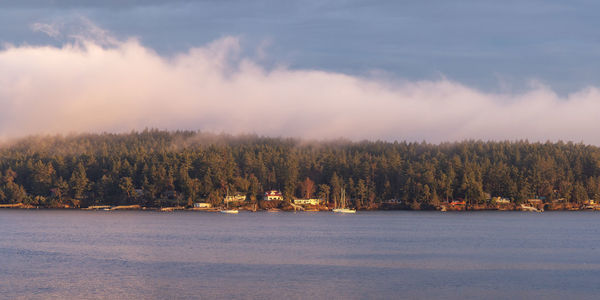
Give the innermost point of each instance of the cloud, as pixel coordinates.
(98, 83)
(49, 29)
(76, 28)
(84, 30)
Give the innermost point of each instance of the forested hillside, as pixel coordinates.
(159, 168)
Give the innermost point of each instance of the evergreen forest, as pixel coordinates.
(156, 168)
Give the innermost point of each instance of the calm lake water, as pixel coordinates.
(370, 255)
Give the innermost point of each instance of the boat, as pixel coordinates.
(525, 207)
(344, 210)
(342, 207)
(227, 210)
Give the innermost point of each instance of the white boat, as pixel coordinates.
(525, 207)
(227, 210)
(344, 210)
(342, 207)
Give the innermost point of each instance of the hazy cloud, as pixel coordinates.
(97, 83)
(84, 30)
(49, 29)
(78, 28)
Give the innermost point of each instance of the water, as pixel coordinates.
(371, 255)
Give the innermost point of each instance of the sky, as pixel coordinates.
(392, 70)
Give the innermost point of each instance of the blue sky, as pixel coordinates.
(498, 46)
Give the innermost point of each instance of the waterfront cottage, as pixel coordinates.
(307, 201)
(500, 200)
(202, 205)
(273, 195)
(235, 198)
(535, 201)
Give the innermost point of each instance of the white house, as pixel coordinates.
(307, 201)
(273, 195)
(500, 200)
(236, 198)
(202, 205)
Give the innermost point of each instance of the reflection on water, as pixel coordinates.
(118, 254)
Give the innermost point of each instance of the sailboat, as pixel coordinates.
(342, 207)
(227, 210)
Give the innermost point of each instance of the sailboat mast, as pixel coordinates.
(227, 197)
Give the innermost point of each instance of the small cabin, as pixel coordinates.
(235, 198)
(307, 201)
(500, 200)
(202, 205)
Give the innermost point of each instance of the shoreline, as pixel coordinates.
(442, 208)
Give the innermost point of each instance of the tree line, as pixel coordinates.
(160, 168)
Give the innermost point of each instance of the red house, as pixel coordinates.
(273, 195)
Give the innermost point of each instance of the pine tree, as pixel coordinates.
(79, 182)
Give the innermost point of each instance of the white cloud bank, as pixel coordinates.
(86, 86)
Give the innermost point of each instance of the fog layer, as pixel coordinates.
(89, 85)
